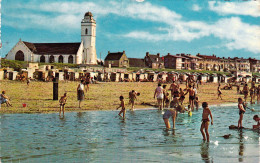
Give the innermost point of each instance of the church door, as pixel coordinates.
(51, 60)
(42, 59)
(19, 56)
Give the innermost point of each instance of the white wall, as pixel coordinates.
(20, 46)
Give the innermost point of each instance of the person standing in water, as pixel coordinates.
(62, 102)
(241, 112)
(245, 91)
(132, 98)
(205, 121)
(122, 105)
(159, 95)
(167, 115)
(80, 92)
(191, 96)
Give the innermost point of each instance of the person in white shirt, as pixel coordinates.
(159, 95)
(80, 92)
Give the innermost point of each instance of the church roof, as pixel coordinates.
(53, 48)
(114, 56)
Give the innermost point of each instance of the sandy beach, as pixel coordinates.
(101, 96)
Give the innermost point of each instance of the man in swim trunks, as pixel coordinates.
(166, 116)
(174, 90)
(122, 105)
(205, 121)
(159, 95)
(219, 92)
(182, 96)
(191, 96)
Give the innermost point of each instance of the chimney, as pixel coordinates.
(158, 54)
(177, 54)
(123, 52)
(169, 54)
(198, 54)
(147, 54)
(108, 52)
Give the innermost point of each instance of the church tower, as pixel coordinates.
(88, 37)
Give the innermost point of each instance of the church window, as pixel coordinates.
(70, 60)
(60, 59)
(86, 31)
(51, 59)
(19, 56)
(42, 59)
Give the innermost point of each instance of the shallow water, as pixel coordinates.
(101, 136)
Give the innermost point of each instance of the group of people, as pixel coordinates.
(254, 91)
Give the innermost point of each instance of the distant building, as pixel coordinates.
(118, 59)
(174, 62)
(83, 52)
(254, 65)
(136, 62)
(210, 62)
(153, 61)
(191, 62)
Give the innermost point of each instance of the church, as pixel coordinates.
(83, 52)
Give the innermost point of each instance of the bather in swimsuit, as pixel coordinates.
(205, 120)
(192, 97)
(168, 114)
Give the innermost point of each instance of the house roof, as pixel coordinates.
(53, 48)
(175, 56)
(114, 56)
(136, 62)
(154, 58)
(207, 56)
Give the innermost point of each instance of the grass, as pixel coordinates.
(102, 96)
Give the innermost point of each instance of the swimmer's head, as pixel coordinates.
(133, 91)
(188, 106)
(82, 81)
(121, 97)
(65, 94)
(159, 85)
(138, 94)
(3, 92)
(240, 99)
(205, 104)
(189, 86)
(255, 117)
(164, 86)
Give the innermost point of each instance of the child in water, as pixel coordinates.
(167, 115)
(196, 103)
(241, 112)
(63, 101)
(122, 105)
(205, 121)
(257, 119)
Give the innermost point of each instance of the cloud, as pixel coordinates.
(248, 8)
(196, 7)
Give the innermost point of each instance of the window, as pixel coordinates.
(51, 60)
(70, 60)
(19, 56)
(60, 59)
(42, 59)
(86, 31)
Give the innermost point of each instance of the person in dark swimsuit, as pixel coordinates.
(241, 112)
(205, 121)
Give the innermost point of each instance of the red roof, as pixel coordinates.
(53, 48)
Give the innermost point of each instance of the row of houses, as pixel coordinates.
(184, 62)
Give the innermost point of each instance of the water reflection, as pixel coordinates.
(204, 152)
(241, 146)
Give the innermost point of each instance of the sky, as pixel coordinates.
(224, 28)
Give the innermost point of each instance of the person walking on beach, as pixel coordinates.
(241, 112)
(5, 99)
(62, 102)
(159, 95)
(122, 105)
(87, 82)
(167, 115)
(80, 92)
(219, 92)
(132, 98)
(245, 91)
(205, 121)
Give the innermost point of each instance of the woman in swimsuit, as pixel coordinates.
(241, 112)
(166, 116)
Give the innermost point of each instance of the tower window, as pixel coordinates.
(86, 31)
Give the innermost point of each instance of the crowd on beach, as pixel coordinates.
(171, 99)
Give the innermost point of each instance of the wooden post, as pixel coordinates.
(55, 89)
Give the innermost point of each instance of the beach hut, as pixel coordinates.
(12, 75)
(40, 75)
(115, 77)
(1, 74)
(100, 76)
(204, 78)
(133, 76)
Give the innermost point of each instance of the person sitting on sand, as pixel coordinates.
(159, 94)
(241, 112)
(5, 99)
(219, 92)
(62, 102)
(205, 121)
(132, 98)
(80, 92)
(122, 105)
(167, 115)
(257, 119)
(245, 91)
